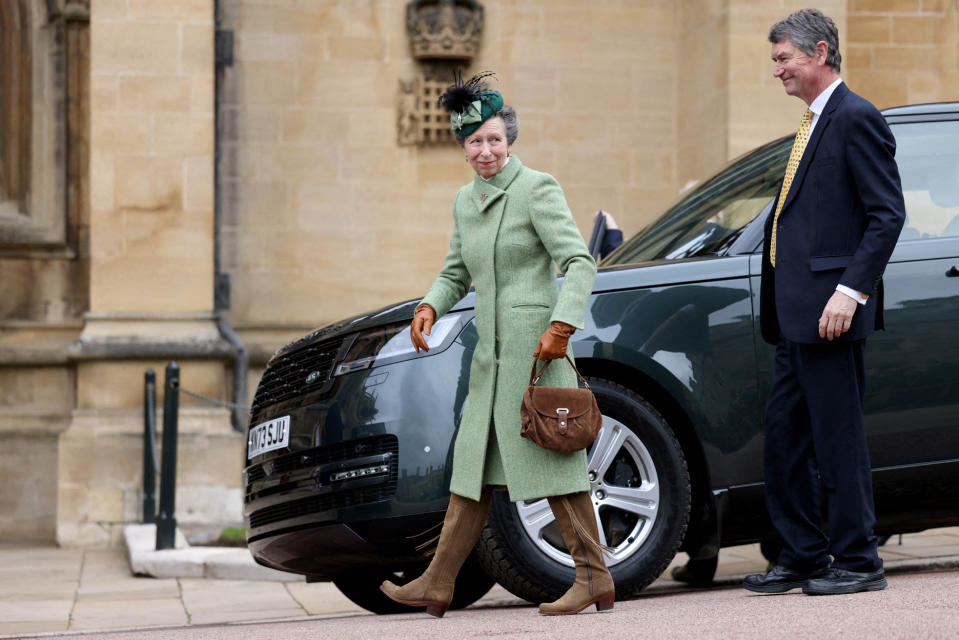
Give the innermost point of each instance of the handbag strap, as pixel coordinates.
(534, 376)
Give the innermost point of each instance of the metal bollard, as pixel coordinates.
(166, 522)
(149, 448)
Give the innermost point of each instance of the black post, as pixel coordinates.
(166, 522)
(149, 447)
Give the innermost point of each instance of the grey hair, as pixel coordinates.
(508, 114)
(804, 29)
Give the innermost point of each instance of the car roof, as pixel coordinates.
(924, 109)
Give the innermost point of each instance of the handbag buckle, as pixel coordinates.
(563, 415)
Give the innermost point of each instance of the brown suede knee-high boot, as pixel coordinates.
(594, 584)
(461, 529)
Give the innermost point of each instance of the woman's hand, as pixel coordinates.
(553, 342)
(423, 320)
(610, 220)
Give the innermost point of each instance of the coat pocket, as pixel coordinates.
(827, 263)
(530, 306)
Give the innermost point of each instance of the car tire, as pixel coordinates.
(362, 587)
(522, 563)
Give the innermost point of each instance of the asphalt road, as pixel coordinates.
(916, 605)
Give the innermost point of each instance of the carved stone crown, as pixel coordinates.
(444, 29)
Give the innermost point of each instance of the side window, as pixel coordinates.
(928, 158)
(711, 217)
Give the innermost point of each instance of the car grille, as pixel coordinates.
(318, 504)
(286, 376)
(347, 497)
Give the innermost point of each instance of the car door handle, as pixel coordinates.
(953, 272)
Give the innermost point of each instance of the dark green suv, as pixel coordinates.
(351, 429)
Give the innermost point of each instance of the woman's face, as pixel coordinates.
(486, 148)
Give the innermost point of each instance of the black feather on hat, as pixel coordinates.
(460, 100)
(460, 95)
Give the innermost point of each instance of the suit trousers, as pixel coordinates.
(815, 447)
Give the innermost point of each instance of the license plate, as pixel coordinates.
(268, 436)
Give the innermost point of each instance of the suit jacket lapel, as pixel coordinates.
(810, 152)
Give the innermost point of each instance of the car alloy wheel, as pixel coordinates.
(640, 486)
(624, 488)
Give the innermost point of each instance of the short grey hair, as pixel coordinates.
(804, 29)
(508, 114)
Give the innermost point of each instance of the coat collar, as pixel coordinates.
(822, 124)
(486, 192)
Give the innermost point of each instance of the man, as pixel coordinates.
(827, 243)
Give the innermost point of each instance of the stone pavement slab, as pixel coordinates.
(106, 576)
(127, 613)
(321, 598)
(233, 600)
(37, 588)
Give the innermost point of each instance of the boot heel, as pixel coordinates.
(605, 603)
(437, 609)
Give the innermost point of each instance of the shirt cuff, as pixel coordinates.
(859, 297)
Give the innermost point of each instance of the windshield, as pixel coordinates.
(708, 219)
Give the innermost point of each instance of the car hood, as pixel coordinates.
(617, 278)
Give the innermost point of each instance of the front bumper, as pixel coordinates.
(366, 473)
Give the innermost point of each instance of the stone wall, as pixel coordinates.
(151, 274)
(43, 253)
(151, 155)
(904, 51)
(327, 216)
(111, 268)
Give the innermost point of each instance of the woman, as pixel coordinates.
(511, 228)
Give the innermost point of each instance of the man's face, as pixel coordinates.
(799, 73)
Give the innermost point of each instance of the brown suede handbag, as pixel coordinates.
(557, 418)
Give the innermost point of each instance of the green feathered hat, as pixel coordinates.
(469, 103)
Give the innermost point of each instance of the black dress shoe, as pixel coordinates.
(779, 579)
(837, 581)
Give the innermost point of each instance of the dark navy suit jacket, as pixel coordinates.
(839, 224)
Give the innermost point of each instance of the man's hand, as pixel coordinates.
(423, 321)
(837, 316)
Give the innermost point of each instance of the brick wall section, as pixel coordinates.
(327, 216)
(151, 273)
(151, 152)
(703, 102)
(903, 51)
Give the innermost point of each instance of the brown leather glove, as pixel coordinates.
(553, 342)
(423, 320)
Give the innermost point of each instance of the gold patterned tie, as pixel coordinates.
(802, 137)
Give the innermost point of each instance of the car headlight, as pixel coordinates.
(392, 343)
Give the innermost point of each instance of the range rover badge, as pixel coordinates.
(313, 377)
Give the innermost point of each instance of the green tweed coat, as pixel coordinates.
(508, 236)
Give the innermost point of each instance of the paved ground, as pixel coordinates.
(60, 592)
(916, 605)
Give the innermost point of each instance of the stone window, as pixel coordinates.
(15, 80)
(421, 119)
(39, 88)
